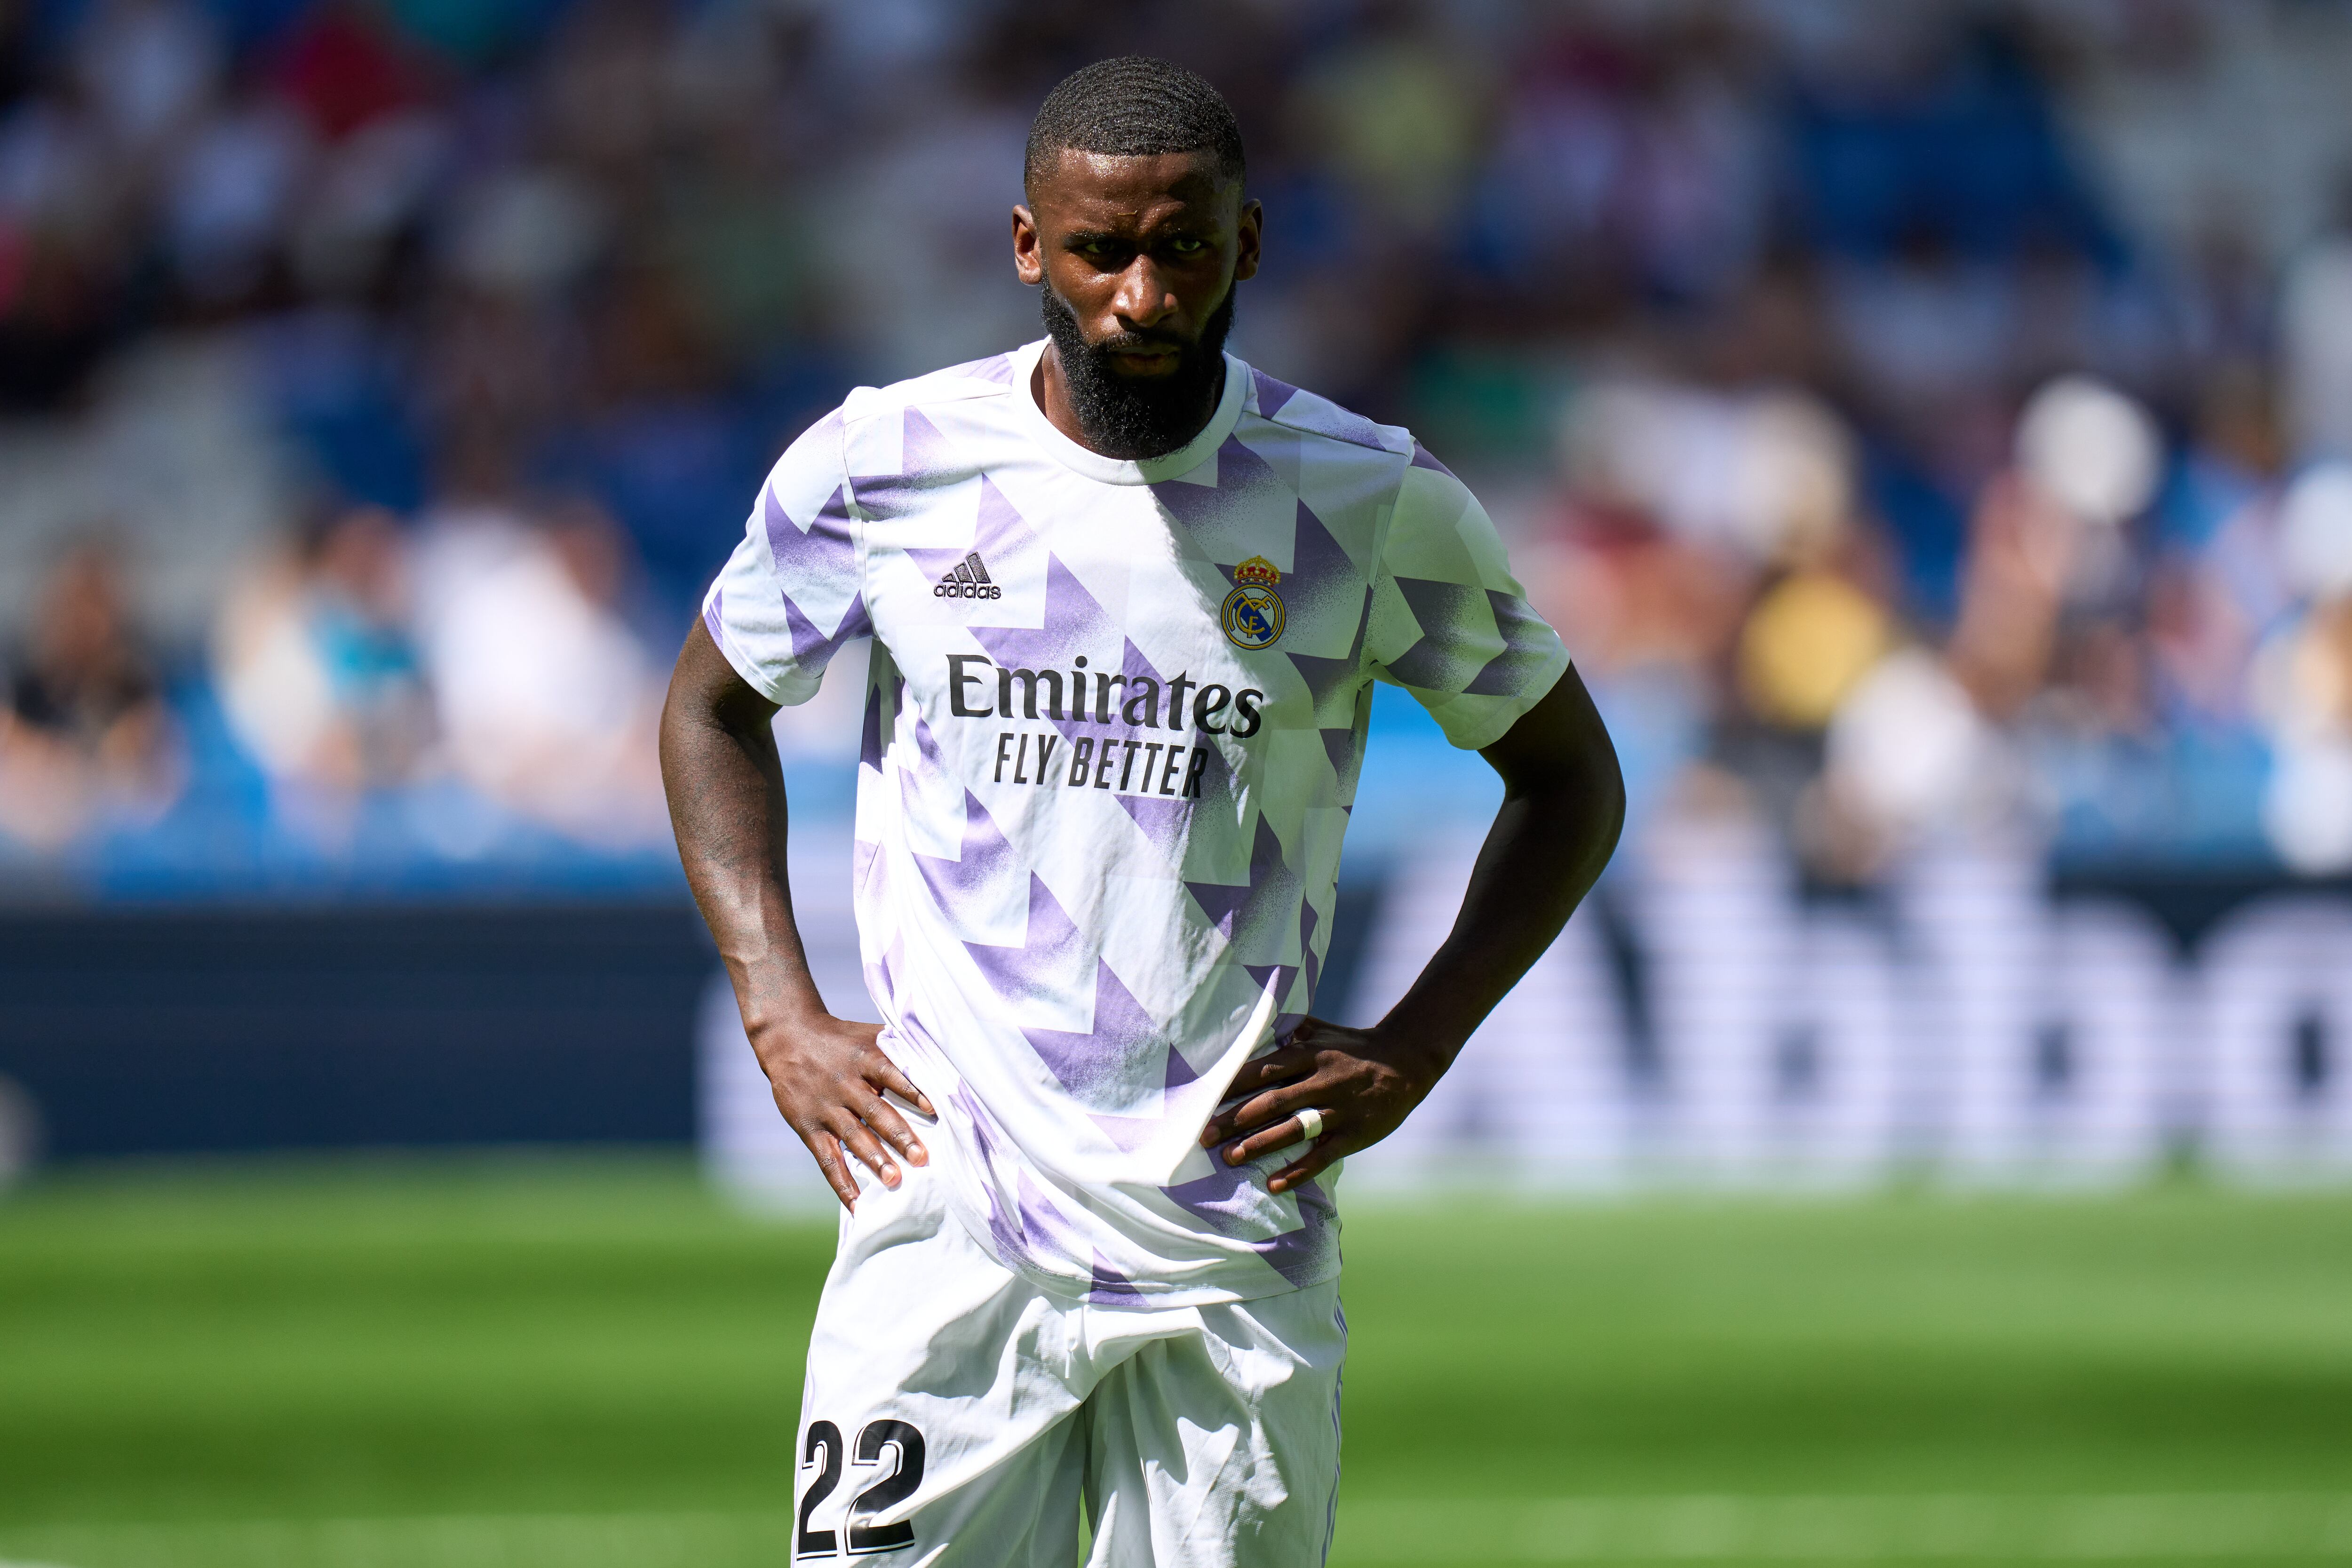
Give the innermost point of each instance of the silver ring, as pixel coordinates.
(1310, 1124)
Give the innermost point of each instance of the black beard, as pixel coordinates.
(1136, 419)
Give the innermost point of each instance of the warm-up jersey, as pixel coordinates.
(1116, 718)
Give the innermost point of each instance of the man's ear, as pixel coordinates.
(1247, 235)
(1028, 254)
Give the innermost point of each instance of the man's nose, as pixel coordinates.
(1143, 297)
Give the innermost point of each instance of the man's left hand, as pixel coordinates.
(1363, 1082)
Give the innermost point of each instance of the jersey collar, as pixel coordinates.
(1116, 470)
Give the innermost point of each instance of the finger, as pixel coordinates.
(827, 1151)
(862, 1144)
(1247, 1117)
(1239, 1108)
(881, 1116)
(1308, 1166)
(1275, 1067)
(883, 1073)
(1281, 1135)
(1271, 1106)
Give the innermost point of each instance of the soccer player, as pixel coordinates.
(1128, 597)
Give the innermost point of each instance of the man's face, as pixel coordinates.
(1138, 256)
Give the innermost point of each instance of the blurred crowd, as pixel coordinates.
(1919, 418)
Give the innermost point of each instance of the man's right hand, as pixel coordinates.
(726, 788)
(829, 1077)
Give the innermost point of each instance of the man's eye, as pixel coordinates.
(1187, 247)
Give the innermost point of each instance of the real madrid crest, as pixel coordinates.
(1253, 612)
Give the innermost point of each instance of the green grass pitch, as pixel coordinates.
(511, 1364)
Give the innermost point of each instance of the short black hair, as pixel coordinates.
(1134, 106)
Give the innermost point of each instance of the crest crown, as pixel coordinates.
(1257, 569)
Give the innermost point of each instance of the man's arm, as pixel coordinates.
(725, 790)
(1563, 805)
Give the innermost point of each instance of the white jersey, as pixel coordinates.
(1116, 718)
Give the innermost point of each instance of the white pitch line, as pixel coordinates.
(2118, 1529)
(2111, 1528)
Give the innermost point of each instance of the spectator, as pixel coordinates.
(316, 669)
(548, 699)
(86, 738)
(1796, 264)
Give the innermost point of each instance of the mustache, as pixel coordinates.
(1132, 339)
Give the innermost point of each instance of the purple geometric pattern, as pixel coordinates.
(812, 648)
(1271, 394)
(1243, 475)
(1322, 575)
(1529, 647)
(1098, 1065)
(927, 747)
(869, 732)
(1042, 1221)
(1449, 659)
(1244, 913)
(1127, 1133)
(923, 452)
(1328, 418)
(927, 462)
(964, 1101)
(1226, 1198)
(824, 554)
(1308, 965)
(1275, 978)
(1134, 666)
(1345, 748)
(1101, 1063)
(1421, 458)
(1166, 822)
(1306, 1254)
(1317, 415)
(822, 551)
(1278, 977)
(1000, 535)
(1243, 478)
(986, 858)
(1229, 1200)
(1110, 1287)
(1073, 624)
(1004, 1229)
(1051, 952)
(1442, 607)
(1330, 678)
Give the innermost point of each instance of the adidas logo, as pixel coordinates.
(968, 580)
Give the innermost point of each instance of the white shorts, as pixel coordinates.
(956, 1415)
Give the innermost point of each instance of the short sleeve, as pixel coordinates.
(792, 592)
(1449, 622)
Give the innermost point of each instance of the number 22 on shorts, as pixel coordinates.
(823, 1451)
